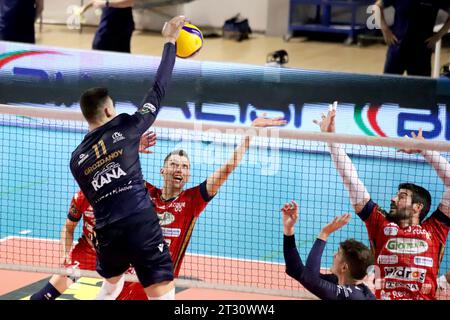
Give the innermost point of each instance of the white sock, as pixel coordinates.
(110, 291)
(167, 296)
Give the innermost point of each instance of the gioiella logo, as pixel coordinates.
(394, 121)
(14, 55)
(372, 112)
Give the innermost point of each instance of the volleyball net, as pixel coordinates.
(237, 241)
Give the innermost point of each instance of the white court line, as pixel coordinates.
(6, 238)
(190, 254)
(28, 238)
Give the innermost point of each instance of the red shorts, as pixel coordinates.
(132, 291)
(83, 255)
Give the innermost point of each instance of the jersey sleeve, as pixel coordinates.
(149, 186)
(373, 217)
(439, 225)
(146, 114)
(313, 280)
(201, 198)
(294, 264)
(78, 205)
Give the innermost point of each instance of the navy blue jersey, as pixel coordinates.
(17, 20)
(106, 164)
(324, 286)
(415, 19)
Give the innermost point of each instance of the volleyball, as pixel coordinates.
(189, 42)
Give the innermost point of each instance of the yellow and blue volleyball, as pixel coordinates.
(189, 42)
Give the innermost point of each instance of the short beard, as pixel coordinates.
(398, 216)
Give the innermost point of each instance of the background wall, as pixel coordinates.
(211, 13)
(269, 16)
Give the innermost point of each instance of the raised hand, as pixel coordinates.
(327, 123)
(263, 121)
(290, 217)
(419, 136)
(148, 139)
(335, 224)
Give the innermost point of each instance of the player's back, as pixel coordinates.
(107, 168)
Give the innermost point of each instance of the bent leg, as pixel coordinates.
(111, 288)
(161, 291)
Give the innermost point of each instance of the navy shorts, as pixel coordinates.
(136, 240)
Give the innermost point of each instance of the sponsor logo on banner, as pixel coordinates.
(387, 259)
(25, 62)
(117, 136)
(110, 172)
(423, 261)
(171, 232)
(407, 245)
(390, 231)
(405, 273)
(165, 218)
(397, 285)
(146, 108)
(82, 158)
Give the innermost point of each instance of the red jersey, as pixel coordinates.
(177, 218)
(80, 208)
(408, 258)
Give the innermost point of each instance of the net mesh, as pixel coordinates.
(237, 241)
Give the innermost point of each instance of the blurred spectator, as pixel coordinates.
(116, 25)
(410, 39)
(17, 18)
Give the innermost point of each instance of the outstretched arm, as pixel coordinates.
(152, 101)
(294, 264)
(442, 167)
(311, 276)
(359, 196)
(218, 178)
